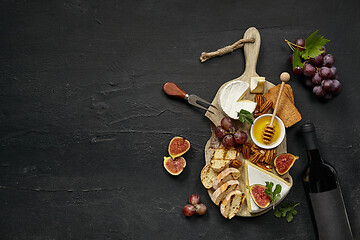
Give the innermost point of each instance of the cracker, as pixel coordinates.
(287, 110)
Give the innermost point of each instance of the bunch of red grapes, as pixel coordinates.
(194, 206)
(229, 134)
(319, 72)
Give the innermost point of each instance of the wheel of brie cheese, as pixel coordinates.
(231, 99)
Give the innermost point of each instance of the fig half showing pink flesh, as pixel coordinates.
(257, 193)
(174, 166)
(178, 146)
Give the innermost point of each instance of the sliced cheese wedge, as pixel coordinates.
(243, 104)
(256, 175)
(257, 84)
(230, 99)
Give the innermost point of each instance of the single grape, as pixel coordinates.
(308, 82)
(318, 91)
(328, 60)
(220, 132)
(327, 96)
(200, 209)
(325, 73)
(316, 79)
(194, 199)
(300, 42)
(309, 70)
(327, 85)
(240, 137)
(291, 58)
(317, 61)
(228, 141)
(226, 123)
(298, 70)
(333, 72)
(189, 210)
(336, 89)
(324, 50)
(232, 130)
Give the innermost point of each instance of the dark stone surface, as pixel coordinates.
(85, 124)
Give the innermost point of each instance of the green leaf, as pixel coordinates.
(313, 44)
(289, 217)
(277, 213)
(294, 212)
(287, 210)
(297, 59)
(277, 189)
(245, 116)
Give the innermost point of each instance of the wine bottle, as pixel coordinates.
(324, 192)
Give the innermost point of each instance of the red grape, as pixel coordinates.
(333, 72)
(194, 199)
(291, 59)
(309, 70)
(325, 73)
(297, 70)
(318, 91)
(200, 209)
(240, 137)
(300, 42)
(336, 89)
(316, 79)
(317, 61)
(324, 51)
(327, 85)
(226, 123)
(189, 210)
(328, 60)
(228, 141)
(220, 132)
(308, 82)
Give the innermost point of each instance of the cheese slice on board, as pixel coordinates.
(257, 84)
(230, 99)
(257, 175)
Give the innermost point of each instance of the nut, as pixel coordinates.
(255, 157)
(254, 148)
(265, 166)
(236, 163)
(259, 100)
(245, 150)
(265, 106)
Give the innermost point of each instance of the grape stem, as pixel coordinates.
(291, 45)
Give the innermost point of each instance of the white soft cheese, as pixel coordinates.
(230, 99)
(257, 176)
(257, 84)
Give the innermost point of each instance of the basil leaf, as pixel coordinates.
(289, 217)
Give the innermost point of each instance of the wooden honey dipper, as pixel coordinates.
(269, 130)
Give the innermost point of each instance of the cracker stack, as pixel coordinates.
(287, 110)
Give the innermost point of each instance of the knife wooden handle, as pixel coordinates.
(173, 90)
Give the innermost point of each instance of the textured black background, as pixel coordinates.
(85, 124)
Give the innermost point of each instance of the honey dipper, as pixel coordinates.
(269, 130)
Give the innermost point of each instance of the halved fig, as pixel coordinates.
(174, 166)
(284, 162)
(257, 193)
(178, 146)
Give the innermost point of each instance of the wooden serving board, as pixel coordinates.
(251, 52)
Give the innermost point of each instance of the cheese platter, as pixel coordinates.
(242, 93)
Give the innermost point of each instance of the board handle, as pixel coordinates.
(251, 51)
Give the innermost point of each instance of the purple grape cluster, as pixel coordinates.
(229, 134)
(319, 73)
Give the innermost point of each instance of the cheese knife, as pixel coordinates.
(173, 90)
